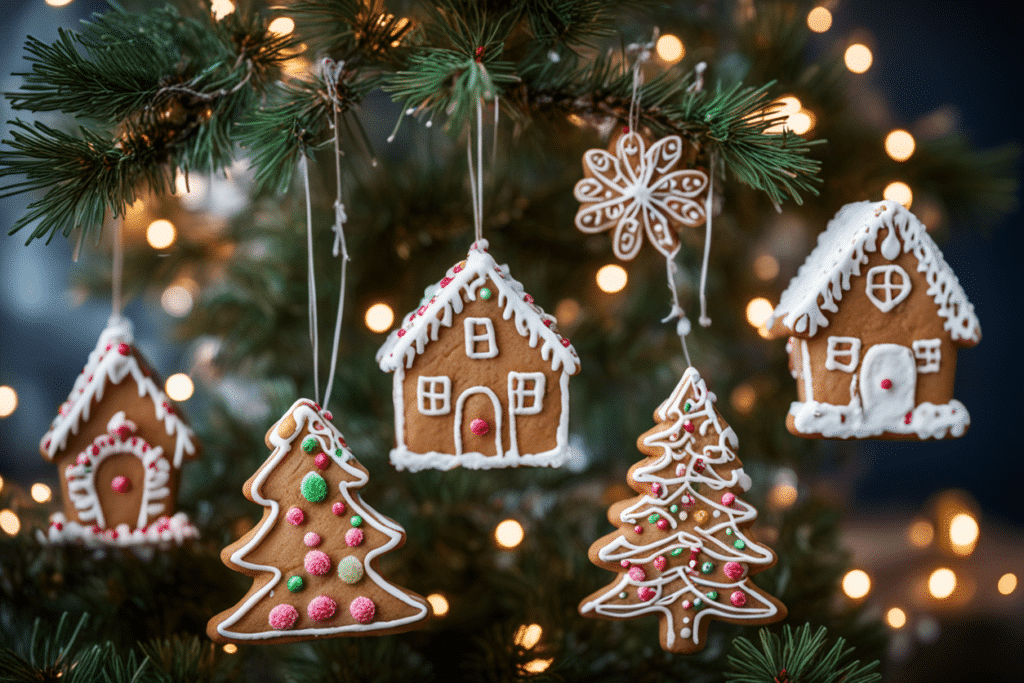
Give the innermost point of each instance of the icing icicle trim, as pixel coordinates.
(163, 532)
(927, 420)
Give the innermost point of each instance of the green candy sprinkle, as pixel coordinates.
(339, 454)
(677, 552)
(728, 532)
(654, 517)
(712, 594)
(698, 603)
(739, 544)
(356, 520)
(686, 407)
(314, 488)
(295, 583)
(622, 595)
(674, 509)
(707, 567)
(310, 444)
(485, 293)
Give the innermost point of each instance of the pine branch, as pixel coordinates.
(359, 32)
(797, 657)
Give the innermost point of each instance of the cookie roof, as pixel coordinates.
(443, 301)
(842, 249)
(111, 361)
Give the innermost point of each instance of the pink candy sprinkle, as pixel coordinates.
(321, 461)
(362, 609)
(312, 539)
(908, 418)
(295, 516)
(656, 489)
(645, 593)
(338, 508)
(688, 426)
(353, 537)
(479, 427)
(120, 484)
(698, 465)
(728, 498)
(527, 298)
(738, 598)
(625, 564)
(316, 562)
(321, 607)
(887, 384)
(328, 415)
(662, 524)
(445, 281)
(638, 529)
(123, 349)
(660, 563)
(82, 459)
(283, 617)
(687, 500)
(733, 570)
(565, 342)
(637, 574)
(422, 309)
(401, 332)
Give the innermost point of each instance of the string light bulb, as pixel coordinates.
(509, 534)
(161, 233)
(670, 48)
(177, 301)
(758, 311)
(819, 19)
(612, 278)
(8, 400)
(9, 522)
(963, 533)
(899, 192)
(282, 26)
(41, 493)
(537, 666)
(856, 584)
(379, 317)
(1007, 583)
(858, 58)
(230, 648)
(438, 604)
(221, 8)
(896, 618)
(58, 3)
(899, 145)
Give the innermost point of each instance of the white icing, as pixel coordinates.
(928, 421)
(518, 394)
(107, 364)
(675, 584)
(883, 289)
(843, 249)
(888, 381)
(495, 429)
(843, 353)
(929, 353)
(165, 531)
(431, 399)
(305, 416)
(805, 360)
(488, 346)
(636, 190)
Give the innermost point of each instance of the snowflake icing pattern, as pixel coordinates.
(636, 187)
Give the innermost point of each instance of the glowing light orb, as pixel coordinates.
(942, 583)
(438, 603)
(282, 26)
(758, 311)
(528, 635)
(41, 493)
(858, 58)
(670, 48)
(921, 533)
(230, 648)
(161, 234)
(766, 267)
(1007, 583)
(612, 278)
(899, 192)
(8, 400)
(537, 666)
(856, 584)
(220, 9)
(509, 533)
(9, 522)
(896, 618)
(899, 145)
(176, 301)
(379, 317)
(819, 20)
(179, 387)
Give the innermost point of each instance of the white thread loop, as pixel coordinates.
(310, 278)
(476, 175)
(705, 321)
(683, 326)
(116, 270)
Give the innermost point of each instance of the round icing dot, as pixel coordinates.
(121, 484)
(362, 609)
(738, 598)
(623, 595)
(314, 487)
(565, 342)
(716, 513)
(310, 444)
(638, 529)
(686, 632)
(637, 574)
(321, 461)
(356, 520)
(311, 539)
(660, 563)
(123, 349)
(283, 617)
(479, 427)
(663, 524)
(350, 570)
(485, 293)
(338, 508)
(707, 567)
(317, 563)
(295, 583)
(645, 593)
(321, 607)
(733, 570)
(295, 516)
(654, 517)
(353, 537)
(739, 544)
(728, 498)
(683, 515)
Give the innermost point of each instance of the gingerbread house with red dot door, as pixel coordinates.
(480, 374)
(874, 319)
(119, 444)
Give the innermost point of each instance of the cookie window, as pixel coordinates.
(480, 341)
(928, 354)
(434, 395)
(887, 286)
(843, 353)
(525, 392)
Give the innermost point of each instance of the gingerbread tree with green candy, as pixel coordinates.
(683, 550)
(313, 556)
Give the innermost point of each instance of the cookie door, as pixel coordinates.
(888, 380)
(478, 422)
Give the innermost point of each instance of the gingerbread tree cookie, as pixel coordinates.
(313, 556)
(683, 550)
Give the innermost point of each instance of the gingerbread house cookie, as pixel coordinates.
(874, 318)
(119, 444)
(481, 374)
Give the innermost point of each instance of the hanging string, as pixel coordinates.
(116, 270)
(310, 278)
(705, 321)
(476, 176)
(683, 326)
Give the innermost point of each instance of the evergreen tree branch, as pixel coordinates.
(798, 656)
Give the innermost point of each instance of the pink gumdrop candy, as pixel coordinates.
(637, 574)
(321, 607)
(738, 598)
(362, 609)
(728, 498)
(317, 563)
(353, 537)
(283, 617)
(312, 539)
(121, 484)
(645, 593)
(295, 516)
(733, 570)
(660, 563)
(338, 508)
(479, 427)
(321, 461)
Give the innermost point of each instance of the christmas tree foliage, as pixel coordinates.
(683, 549)
(313, 544)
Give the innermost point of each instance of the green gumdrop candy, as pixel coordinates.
(314, 487)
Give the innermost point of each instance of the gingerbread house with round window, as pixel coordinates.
(119, 444)
(874, 319)
(481, 374)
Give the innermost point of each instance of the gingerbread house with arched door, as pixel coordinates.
(119, 444)
(874, 318)
(480, 374)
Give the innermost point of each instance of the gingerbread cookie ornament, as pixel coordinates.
(119, 444)
(874, 319)
(684, 551)
(481, 374)
(313, 557)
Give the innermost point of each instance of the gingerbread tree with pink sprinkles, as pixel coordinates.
(683, 550)
(313, 556)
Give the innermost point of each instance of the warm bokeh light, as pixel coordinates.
(612, 278)
(921, 533)
(221, 8)
(438, 603)
(58, 3)
(819, 20)
(528, 635)
(896, 617)
(858, 58)
(1007, 583)
(8, 400)
(179, 386)
(963, 533)
(766, 267)
(782, 496)
(41, 493)
(786, 106)
(942, 583)
(509, 533)
(670, 48)
(537, 666)
(801, 122)
(568, 311)
(282, 26)
(899, 192)
(379, 317)
(899, 144)
(230, 648)
(742, 398)
(161, 234)
(856, 584)
(9, 522)
(1, 483)
(758, 311)
(177, 301)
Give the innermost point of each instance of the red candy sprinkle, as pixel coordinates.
(328, 416)
(401, 332)
(565, 342)
(123, 349)
(422, 310)
(625, 564)
(688, 426)
(733, 570)
(662, 524)
(445, 281)
(656, 489)
(887, 384)
(738, 598)
(527, 298)
(660, 563)
(458, 267)
(645, 593)
(479, 427)
(338, 508)
(121, 484)
(698, 465)
(321, 461)
(908, 418)
(638, 529)
(728, 498)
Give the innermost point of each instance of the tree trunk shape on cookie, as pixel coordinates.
(313, 556)
(683, 550)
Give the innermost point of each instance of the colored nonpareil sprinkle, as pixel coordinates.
(295, 583)
(317, 563)
(353, 537)
(350, 570)
(707, 567)
(310, 444)
(654, 517)
(295, 516)
(733, 570)
(321, 608)
(283, 617)
(356, 520)
(314, 487)
(362, 609)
